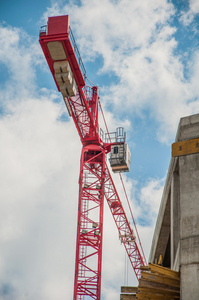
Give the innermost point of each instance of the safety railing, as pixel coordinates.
(119, 136)
(77, 54)
(43, 30)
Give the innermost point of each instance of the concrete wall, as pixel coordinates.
(176, 235)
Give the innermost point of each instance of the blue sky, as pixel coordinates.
(145, 58)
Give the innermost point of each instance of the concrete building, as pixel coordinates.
(176, 235)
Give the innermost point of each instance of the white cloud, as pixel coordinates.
(38, 199)
(137, 44)
(187, 17)
(18, 54)
(150, 196)
(194, 6)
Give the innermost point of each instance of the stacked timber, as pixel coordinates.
(158, 282)
(128, 292)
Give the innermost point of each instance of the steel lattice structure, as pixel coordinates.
(126, 233)
(95, 181)
(90, 223)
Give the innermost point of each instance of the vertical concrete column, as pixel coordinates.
(175, 218)
(189, 226)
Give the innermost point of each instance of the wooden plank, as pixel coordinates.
(155, 297)
(158, 283)
(185, 147)
(129, 289)
(144, 268)
(154, 291)
(163, 271)
(158, 286)
(161, 279)
(128, 297)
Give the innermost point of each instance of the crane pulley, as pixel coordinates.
(95, 181)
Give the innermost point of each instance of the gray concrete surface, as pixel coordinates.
(176, 235)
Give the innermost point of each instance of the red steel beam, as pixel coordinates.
(126, 233)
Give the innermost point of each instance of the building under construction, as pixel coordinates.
(176, 235)
(175, 245)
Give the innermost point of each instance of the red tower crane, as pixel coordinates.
(95, 181)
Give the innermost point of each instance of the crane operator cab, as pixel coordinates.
(120, 156)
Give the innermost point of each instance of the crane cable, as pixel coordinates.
(104, 121)
(126, 271)
(90, 81)
(125, 191)
(132, 217)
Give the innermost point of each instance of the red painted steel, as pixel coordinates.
(90, 223)
(126, 233)
(67, 40)
(95, 180)
(58, 25)
(83, 117)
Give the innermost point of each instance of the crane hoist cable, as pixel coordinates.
(126, 270)
(90, 81)
(127, 199)
(104, 121)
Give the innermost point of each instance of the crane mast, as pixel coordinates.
(95, 181)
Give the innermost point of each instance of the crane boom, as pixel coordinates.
(126, 233)
(95, 181)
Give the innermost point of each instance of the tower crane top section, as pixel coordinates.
(64, 60)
